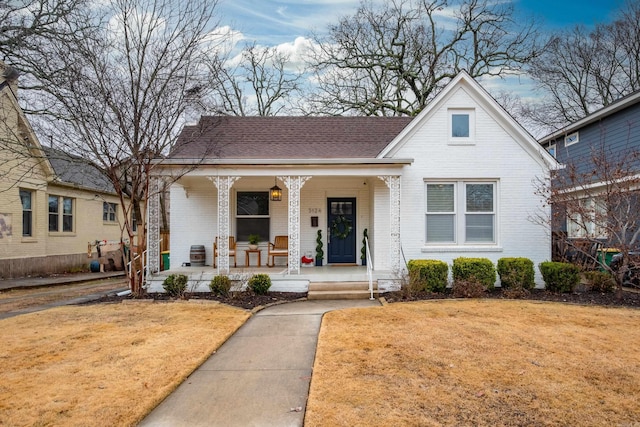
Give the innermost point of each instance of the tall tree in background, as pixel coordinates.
(116, 93)
(261, 83)
(394, 58)
(582, 71)
(24, 24)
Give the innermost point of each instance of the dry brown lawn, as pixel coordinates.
(106, 364)
(477, 362)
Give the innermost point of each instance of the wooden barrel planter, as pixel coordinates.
(197, 255)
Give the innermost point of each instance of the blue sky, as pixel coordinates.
(273, 22)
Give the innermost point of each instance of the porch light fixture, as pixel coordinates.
(275, 192)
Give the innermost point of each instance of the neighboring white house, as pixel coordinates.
(456, 180)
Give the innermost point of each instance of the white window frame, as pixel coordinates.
(460, 213)
(31, 210)
(454, 212)
(592, 207)
(572, 138)
(112, 211)
(60, 214)
(552, 149)
(237, 216)
(462, 140)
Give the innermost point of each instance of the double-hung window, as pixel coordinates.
(252, 215)
(60, 214)
(26, 197)
(109, 212)
(460, 212)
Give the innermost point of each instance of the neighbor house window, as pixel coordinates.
(109, 212)
(552, 149)
(60, 214)
(571, 139)
(252, 215)
(587, 219)
(26, 197)
(461, 125)
(460, 212)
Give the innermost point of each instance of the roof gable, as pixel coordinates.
(491, 107)
(279, 137)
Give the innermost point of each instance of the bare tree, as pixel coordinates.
(24, 23)
(393, 59)
(582, 71)
(262, 83)
(597, 197)
(116, 94)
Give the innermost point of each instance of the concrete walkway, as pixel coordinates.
(259, 377)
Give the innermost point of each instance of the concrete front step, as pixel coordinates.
(339, 290)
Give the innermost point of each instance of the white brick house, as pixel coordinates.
(456, 180)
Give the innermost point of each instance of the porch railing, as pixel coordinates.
(369, 267)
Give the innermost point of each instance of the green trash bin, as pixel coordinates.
(165, 260)
(607, 254)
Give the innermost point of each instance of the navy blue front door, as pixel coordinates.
(342, 230)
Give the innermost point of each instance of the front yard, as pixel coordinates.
(477, 362)
(106, 364)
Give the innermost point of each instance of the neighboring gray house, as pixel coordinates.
(612, 134)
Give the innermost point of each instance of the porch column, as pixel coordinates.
(294, 185)
(223, 184)
(393, 182)
(153, 226)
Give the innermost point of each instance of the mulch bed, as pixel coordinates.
(629, 298)
(248, 300)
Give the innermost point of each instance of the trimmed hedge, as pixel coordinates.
(516, 273)
(175, 285)
(559, 276)
(431, 273)
(260, 283)
(220, 285)
(480, 270)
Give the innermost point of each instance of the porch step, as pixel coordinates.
(340, 290)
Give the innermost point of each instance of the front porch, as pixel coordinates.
(281, 280)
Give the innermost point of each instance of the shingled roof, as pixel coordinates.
(287, 137)
(76, 171)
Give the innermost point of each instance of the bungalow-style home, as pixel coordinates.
(608, 137)
(456, 180)
(52, 204)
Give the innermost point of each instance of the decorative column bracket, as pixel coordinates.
(294, 185)
(393, 182)
(223, 184)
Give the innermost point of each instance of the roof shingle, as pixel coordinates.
(304, 137)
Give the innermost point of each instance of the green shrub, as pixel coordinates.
(220, 285)
(260, 283)
(560, 276)
(479, 270)
(431, 273)
(600, 281)
(516, 273)
(175, 285)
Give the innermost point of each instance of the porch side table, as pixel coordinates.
(248, 252)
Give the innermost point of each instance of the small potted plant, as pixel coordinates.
(254, 239)
(363, 251)
(319, 251)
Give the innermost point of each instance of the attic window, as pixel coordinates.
(461, 126)
(571, 139)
